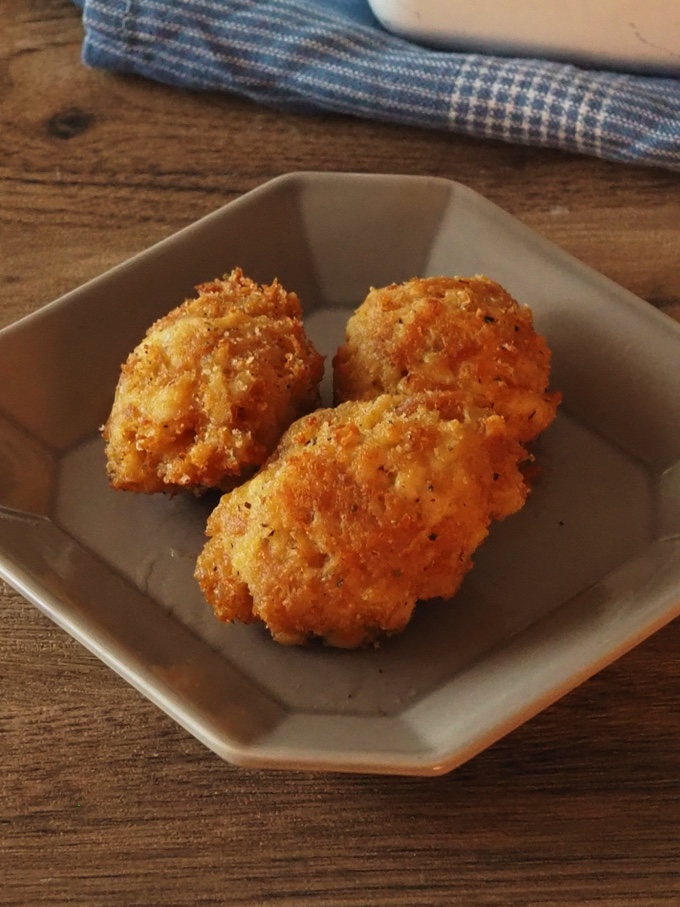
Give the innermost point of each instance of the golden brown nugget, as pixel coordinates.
(465, 336)
(205, 397)
(361, 511)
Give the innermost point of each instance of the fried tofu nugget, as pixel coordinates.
(466, 336)
(205, 397)
(361, 511)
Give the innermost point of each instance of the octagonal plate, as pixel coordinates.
(589, 568)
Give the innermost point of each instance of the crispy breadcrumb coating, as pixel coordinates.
(205, 397)
(466, 336)
(361, 511)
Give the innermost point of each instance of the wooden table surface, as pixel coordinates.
(104, 799)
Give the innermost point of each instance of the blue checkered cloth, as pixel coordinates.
(332, 55)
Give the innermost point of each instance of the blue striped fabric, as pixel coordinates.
(313, 55)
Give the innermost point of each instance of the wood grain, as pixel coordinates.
(104, 799)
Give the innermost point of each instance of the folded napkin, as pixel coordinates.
(313, 55)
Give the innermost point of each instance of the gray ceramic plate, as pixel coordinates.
(588, 569)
